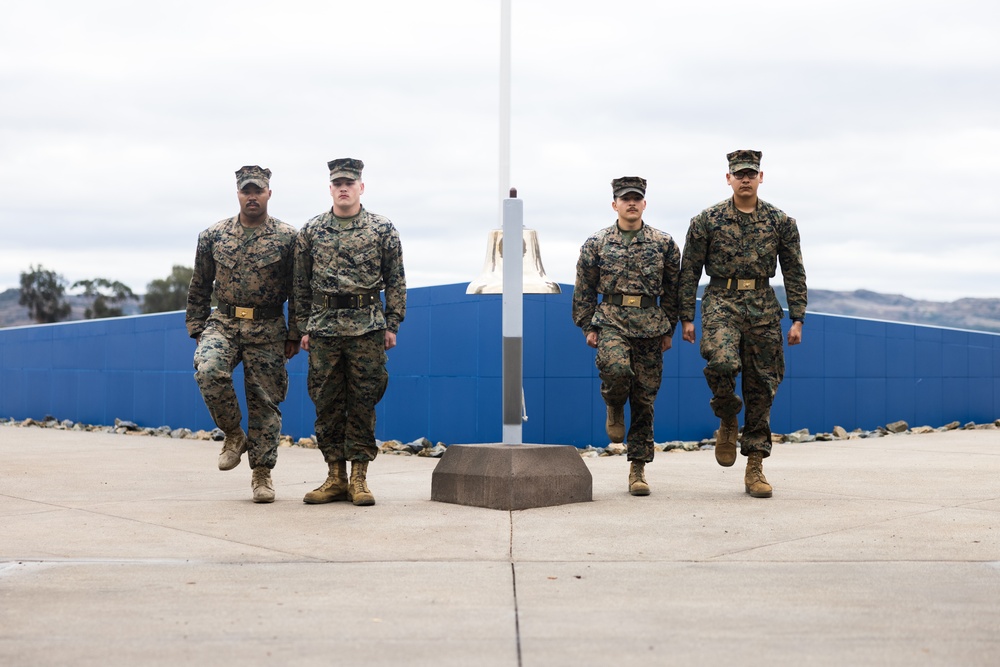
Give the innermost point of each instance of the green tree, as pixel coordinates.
(170, 293)
(43, 292)
(109, 296)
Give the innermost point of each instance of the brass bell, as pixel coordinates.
(490, 281)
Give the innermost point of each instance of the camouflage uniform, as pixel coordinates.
(347, 375)
(628, 344)
(741, 329)
(252, 273)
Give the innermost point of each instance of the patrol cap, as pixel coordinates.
(252, 174)
(743, 159)
(345, 167)
(625, 184)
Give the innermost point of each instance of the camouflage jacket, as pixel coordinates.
(243, 272)
(718, 242)
(363, 257)
(649, 265)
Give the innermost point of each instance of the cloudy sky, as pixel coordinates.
(122, 123)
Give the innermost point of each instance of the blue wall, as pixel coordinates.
(445, 375)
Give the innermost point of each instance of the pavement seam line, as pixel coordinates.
(517, 615)
(513, 585)
(832, 532)
(186, 532)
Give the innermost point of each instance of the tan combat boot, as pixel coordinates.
(615, 424)
(754, 480)
(637, 485)
(263, 489)
(725, 441)
(232, 449)
(334, 488)
(358, 488)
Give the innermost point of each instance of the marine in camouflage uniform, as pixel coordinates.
(630, 266)
(343, 259)
(739, 242)
(248, 261)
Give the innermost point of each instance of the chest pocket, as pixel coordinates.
(725, 245)
(651, 266)
(762, 245)
(365, 255)
(347, 255)
(267, 258)
(364, 259)
(225, 256)
(613, 257)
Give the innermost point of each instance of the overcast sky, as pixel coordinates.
(122, 124)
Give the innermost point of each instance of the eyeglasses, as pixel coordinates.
(745, 173)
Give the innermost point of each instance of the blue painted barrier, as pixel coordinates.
(445, 375)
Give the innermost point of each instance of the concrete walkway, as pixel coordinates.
(122, 550)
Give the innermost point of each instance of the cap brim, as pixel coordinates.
(262, 184)
(625, 191)
(353, 175)
(740, 166)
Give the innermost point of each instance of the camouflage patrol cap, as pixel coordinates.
(743, 159)
(252, 174)
(345, 167)
(625, 184)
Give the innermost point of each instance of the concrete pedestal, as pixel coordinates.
(511, 477)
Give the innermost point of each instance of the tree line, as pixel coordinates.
(43, 292)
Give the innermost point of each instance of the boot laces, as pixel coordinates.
(638, 474)
(234, 443)
(261, 476)
(755, 470)
(357, 482)
(330, 482)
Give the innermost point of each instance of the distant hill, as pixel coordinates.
(14, 315)
(973, 314)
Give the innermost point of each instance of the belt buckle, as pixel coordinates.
(633, 300)
(244, 313)
(746, 283)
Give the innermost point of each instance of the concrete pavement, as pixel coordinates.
(128, 550)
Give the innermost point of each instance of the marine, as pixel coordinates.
(625, 301)
(739, 244)
(344, 258)
(247, 263)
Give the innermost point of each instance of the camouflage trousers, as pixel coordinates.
(265, 382)
(631, 370)
(738, 339)
(347, 378)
